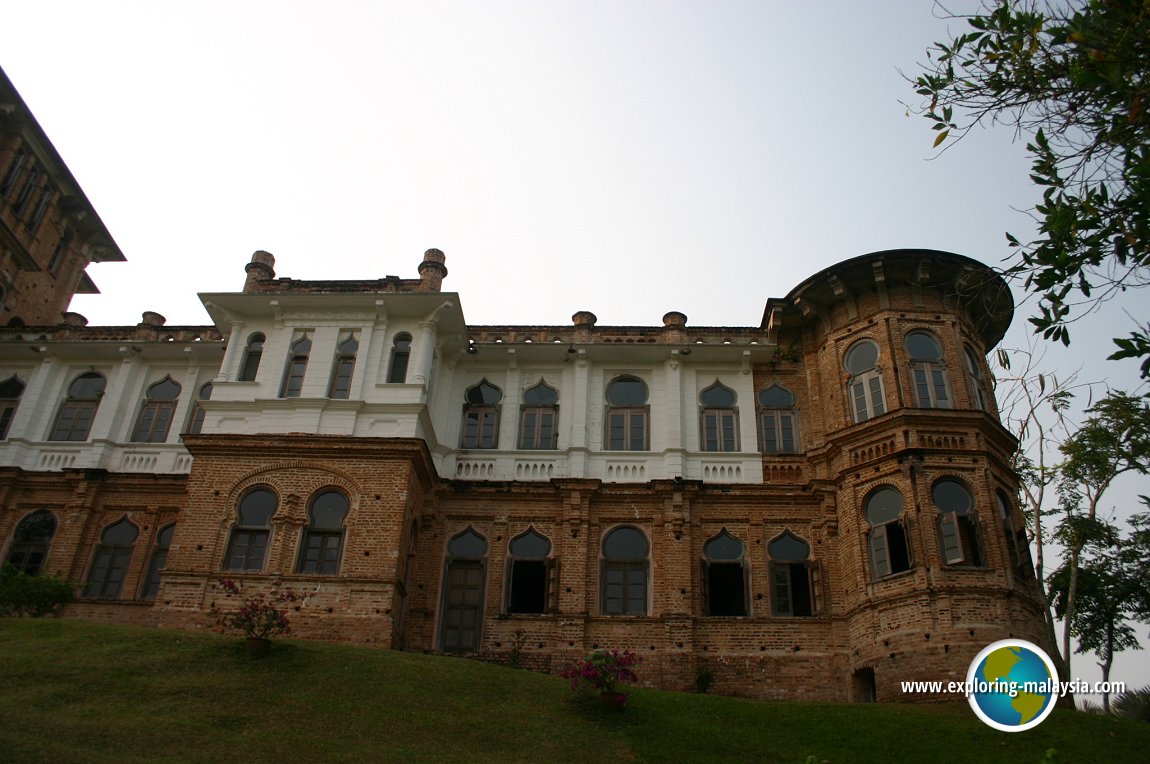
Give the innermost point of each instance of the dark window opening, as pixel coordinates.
(528, 587)
(31, 540)
(725, 589)
(110, 564)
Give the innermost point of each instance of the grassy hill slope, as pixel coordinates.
(72, 691)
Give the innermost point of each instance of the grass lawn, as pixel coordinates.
(74, 691)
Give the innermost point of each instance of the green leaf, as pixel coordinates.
(941, 137)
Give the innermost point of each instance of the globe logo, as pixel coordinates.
(1012, 685)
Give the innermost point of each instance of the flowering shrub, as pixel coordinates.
(262, 616)
(604, 670)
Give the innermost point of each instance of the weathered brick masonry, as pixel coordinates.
(817, 507)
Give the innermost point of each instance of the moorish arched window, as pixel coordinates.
(793, 576)
(481, 416)
(156, 414)
(627, 413)
(718, 418)
(248, 544)
(296, 367)
(74, 419)
(531, 575)
(465, 572)
(537, 418)
(158, 562)
(322, 540)
(343, 368)
(724, 576)
(30, 541)
(623, 572)
(778, 421)
(110, 564)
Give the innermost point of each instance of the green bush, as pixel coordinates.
(34, 596)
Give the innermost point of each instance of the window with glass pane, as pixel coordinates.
(865, 389)
(10, 391)
(1017, 544)
(158, 561)
(528, 573)
(30, 541)
(958, 533)
(249, 538)
(481, 416)
(400, 354)
(719, 419)
(978, 394)
(887, 539)
(156, 414)
(724, 576)
(110, 563)
(343, 368)
(74, 420)
(777, 418)
(537, 418)
(626, 415)
(196, 421)
(322, 540)
(624, 572)
(252, 355)
(792, 576)
(927, 371)
(296, 368)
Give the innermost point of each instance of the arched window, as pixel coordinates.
(627, 415)
(74, 420)
(537, 418)
(156, 414)
(10, 391)
(794, 577)
(927, 370)
(322, 542)
(956, 524)
(974, 379)
(196, 420)
(249, 539)
(481, 416)
(252, 355)
(24, 198)
(623, 572)
(464, 575)
(778, 421)
(887, 538)
(110, 564)
(719, 419)
(158, 562)
(31, 540)
(724, 576)
(343, 368)
(400, 354)
(1017, 544)
(296, 368)
(865, 389)
(532, 576)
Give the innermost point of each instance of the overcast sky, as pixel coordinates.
(627, 158)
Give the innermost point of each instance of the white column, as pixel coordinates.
(235, 339)
(424, 353)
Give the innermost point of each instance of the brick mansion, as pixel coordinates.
(817, 507)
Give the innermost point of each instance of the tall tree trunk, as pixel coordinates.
(1107, 660)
